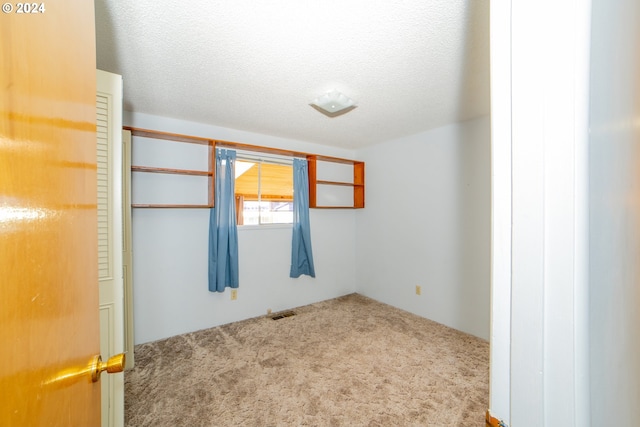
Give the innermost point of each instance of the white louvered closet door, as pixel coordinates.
(110, 235)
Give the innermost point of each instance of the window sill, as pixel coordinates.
(265, 227)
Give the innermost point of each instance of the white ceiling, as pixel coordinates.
(410, 65)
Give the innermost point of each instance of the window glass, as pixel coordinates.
(264, 191)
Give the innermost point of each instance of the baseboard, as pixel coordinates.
(493, 421)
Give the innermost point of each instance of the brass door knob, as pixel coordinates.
(114, 365)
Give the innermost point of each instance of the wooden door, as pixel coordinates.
(48, 260)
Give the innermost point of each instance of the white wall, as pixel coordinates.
(170, 253)
(427, 223)
(615, 213)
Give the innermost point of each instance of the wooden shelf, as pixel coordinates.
(357, 184)
(344, 184)
(332, 207)
(166, 136)
(170, 171)
(312, 159)
(163, 206)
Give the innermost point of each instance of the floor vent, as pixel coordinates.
(283, 315)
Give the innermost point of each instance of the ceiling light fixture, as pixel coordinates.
(333, 104)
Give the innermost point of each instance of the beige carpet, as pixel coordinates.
(349, 361)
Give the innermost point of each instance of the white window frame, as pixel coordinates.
(260, 158)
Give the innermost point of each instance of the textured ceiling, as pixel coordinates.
(410, 65)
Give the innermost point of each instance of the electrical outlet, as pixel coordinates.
(418, 290)
(234, 294)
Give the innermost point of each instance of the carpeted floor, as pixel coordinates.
(349, 361)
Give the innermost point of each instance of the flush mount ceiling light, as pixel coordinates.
(333, 104)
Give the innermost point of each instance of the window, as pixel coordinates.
(264, 190)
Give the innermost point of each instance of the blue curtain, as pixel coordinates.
(301, 255)
(223, 231)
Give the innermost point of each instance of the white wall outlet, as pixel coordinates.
(418, 290)
(234, 294)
